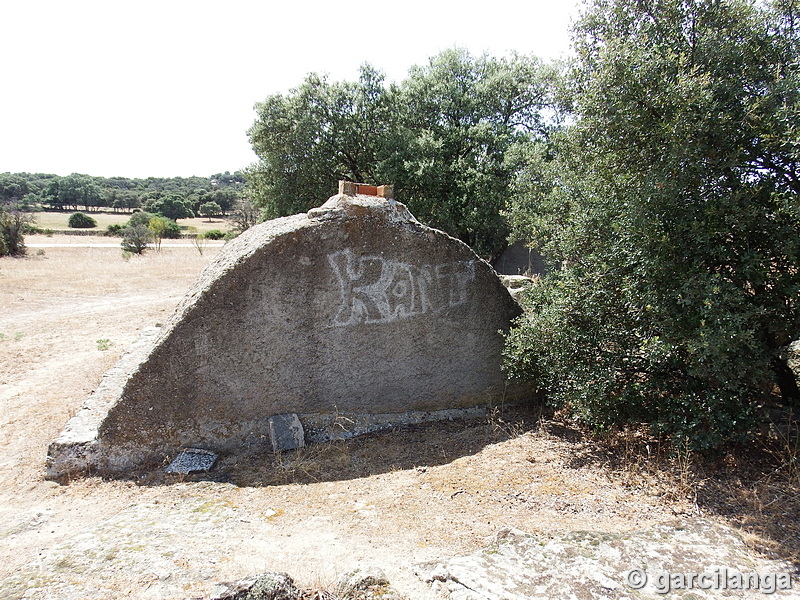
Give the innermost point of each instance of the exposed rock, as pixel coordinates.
(192, 460)
(520, 259)
(235, 590)
(354, 312)
(516, 284)
(595, 566)
(268, 586)
(273, 586)
(364, 584)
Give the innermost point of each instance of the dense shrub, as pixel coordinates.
(670, 207)
(36, 230)
(80, 220)
(115, 229)
(173, 230)
(13, 224)
(209, 209)
(214, 234)
(140, 217)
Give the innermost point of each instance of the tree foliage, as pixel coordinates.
(136, 238)
(464, 120)
(13, 223)
(209, 209)
(314, 136)
(79, 220)
(443, 137)
(671, 209)
(171, 206)
(88, 193)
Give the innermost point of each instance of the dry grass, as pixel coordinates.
(58, 219)
(58, 272)
(202, 224)
(754, 487)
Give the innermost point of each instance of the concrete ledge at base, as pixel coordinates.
(77, 450)
(321, 428)
(73, 458)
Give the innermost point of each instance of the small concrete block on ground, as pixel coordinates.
(286, 432)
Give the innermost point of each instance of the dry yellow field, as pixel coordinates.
(58, 220)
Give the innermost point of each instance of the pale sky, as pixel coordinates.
(166, 88)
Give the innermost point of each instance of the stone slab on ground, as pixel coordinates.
(602, 566)
(286, 432)
(192, 460)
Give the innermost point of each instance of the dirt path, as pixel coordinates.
(393, 500)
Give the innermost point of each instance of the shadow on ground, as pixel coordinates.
(401, 448)
(754, 487)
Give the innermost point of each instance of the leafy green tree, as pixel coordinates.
(171, 206)
(443, 138)
(136, 238)
(162, 227)
(158, 225)
(226, 198)
(73, 191)
(463, 119)
(671, 208)
(245, 215)
(319, 133)
(209, 209)
(13, 187)
(125, 200)
(141, 217)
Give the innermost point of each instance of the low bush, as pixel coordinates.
(173, 230)
(13, 224)
(214, 234)
(80, 220)
(115, 230)
(36, 230)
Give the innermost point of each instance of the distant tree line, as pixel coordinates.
(174, 197)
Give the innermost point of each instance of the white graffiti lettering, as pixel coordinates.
(380, 290)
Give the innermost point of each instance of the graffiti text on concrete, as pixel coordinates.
(380, 290)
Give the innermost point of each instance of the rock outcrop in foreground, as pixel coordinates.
(354, 314)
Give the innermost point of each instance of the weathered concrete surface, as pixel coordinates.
(645, 565)
(519, 259)
(353, 310)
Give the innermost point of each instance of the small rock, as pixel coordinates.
(364, 584)
(236, 590)
(273, 586)
(192, 460)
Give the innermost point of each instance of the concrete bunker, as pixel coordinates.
(352, 310)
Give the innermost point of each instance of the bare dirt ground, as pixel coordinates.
(392, 499)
